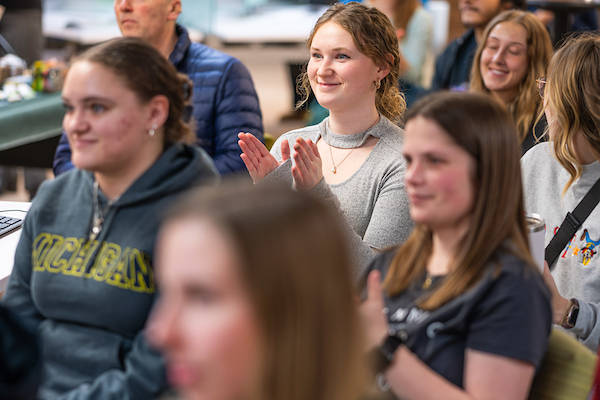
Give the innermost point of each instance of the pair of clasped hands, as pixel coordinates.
(307, 172)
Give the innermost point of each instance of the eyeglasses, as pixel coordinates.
(541, 85)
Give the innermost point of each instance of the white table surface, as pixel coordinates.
(8, 243)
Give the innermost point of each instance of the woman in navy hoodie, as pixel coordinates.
(83, 269)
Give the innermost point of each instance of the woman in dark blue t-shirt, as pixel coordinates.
(468, 314)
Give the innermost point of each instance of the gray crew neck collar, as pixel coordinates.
(346, 141)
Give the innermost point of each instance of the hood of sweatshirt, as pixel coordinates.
(91, 298)
(178, 168)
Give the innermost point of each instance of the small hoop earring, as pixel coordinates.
(152, 130)
(378, 83)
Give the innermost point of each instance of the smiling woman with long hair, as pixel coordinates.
(514, 51)
(352, 159)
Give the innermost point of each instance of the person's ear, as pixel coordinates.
(174, 10)
(158, 108)
(385, 67)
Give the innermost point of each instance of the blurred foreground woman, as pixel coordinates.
(257, 299)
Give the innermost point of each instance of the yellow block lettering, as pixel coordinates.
(80, 258)
(118, 275)
(59, 262)
(141, 274)
(107, 261)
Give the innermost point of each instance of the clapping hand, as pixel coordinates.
(257, 158)
(308, 170)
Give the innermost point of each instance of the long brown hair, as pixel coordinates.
(373, 36)
(295, 264)
(573, 93)
(485, 130)
(527, 105)
(147, 73)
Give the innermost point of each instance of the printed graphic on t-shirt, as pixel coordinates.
(413, 315)
(582, 247)
(128, 268)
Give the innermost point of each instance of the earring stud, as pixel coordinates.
(152, 130)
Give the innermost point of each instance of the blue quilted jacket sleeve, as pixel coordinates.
(62, 157)
(225, 104)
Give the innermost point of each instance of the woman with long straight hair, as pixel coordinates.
(514, 51)
(466, 314)
(257, 298)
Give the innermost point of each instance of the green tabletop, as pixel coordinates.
(30, 121)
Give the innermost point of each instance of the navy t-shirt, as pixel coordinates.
(506, 314)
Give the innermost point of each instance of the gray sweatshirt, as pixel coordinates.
(577, 271)
(373, 200)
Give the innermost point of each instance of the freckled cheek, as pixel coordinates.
(311, 70)
(312, 76)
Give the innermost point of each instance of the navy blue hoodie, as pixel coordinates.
(90, 300)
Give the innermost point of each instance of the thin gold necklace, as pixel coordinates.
(335, 167)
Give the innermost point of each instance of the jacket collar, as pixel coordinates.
(181, 47)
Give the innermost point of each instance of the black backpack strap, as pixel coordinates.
(571, 224)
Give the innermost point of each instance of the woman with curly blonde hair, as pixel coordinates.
(353, 158)
(514, 52)
(557, 175)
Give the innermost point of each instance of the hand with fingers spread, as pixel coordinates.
(372, 313)
(308, 170)
(257, 158)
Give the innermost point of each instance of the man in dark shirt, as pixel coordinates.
(453, 66)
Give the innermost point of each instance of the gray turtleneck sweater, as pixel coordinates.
(373, 200)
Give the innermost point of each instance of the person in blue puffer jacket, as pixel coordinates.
(225, 101)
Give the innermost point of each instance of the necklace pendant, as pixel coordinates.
(94, 234)
(96, 228)
(334, 170)
(427, 283)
